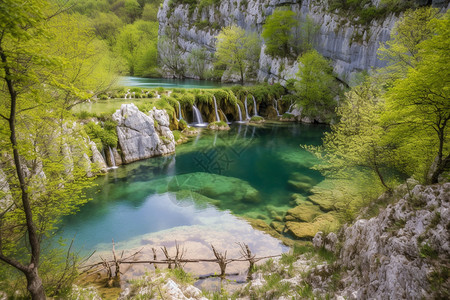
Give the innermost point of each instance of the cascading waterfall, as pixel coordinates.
(113, 159)
(246, 109)
(215, 108)
(240, 113)
(198, 116)
(276, 107)
(289, 109)
(179, 112)
(158, 96)
(254, 106)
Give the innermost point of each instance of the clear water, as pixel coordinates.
(129, 81)
(204, 190)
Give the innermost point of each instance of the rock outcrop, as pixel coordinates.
(142, 136)
(403, 253)
(352, 47)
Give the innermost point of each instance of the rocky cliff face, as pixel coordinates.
(403, 253)
(352, 48)
(142, 136)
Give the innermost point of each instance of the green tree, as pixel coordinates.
(356, 142)
(278, 32)
(402, 50)
(316, 86)
(47, 62)
(418, 104)
(304, 34)
(197, 62)
(237, 49)
(137, 44)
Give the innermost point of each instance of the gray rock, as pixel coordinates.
(97, 158)
(335, 38)
(392, 255)
(137, 135)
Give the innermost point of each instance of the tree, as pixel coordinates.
(316, 86)
(304, 34)
(418, 104)
(278, 32)
(401, 51)
(47, 62)
(137, 44)
(357, 140)
(237, 49)
(197, 62)
(170, 56)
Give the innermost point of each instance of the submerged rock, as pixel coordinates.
(141, 136)
(305, 212)
(215, 186)
(307, 230)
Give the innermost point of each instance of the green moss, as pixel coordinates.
(176, 134)
(256, 119)
(105, 136)
(287, 116)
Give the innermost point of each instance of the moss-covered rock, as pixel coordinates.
(306, 230)
(257, 120)
(190, 131)
(305, 212)
(218, 126)
(333, 194)
(215, 186)
(278, 226)
(300, 186)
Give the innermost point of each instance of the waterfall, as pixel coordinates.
(198, 116)
(276, 107)
(240, 113)
(246, 110)
(215, 108)
(254, 106)
(158, 96)
(112, 158)
(289, 109)
(179, 112)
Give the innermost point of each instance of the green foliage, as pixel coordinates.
(197, 62)
(105, 136)
(419, 98)
(181, 276)
(182, 124)
(238, 50)
(277, 32)
(316, 86)
(176, 135)
(137, 44)
(363, 11)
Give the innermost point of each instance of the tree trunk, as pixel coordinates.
(34, 284)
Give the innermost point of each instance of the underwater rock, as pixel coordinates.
(278, 226)
(305, 212)
(332, 194)
(305, 230)
(215, 186)
(300, 186)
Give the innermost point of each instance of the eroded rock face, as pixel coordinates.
(351, 47)
(400, 253)
(142, 136)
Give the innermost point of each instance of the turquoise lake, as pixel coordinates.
(130, 81)
(200, 195)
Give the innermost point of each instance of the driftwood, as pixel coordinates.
(112, 266)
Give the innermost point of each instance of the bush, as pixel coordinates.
(105, 136)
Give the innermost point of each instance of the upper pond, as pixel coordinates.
(200, 195)
(129, 81)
